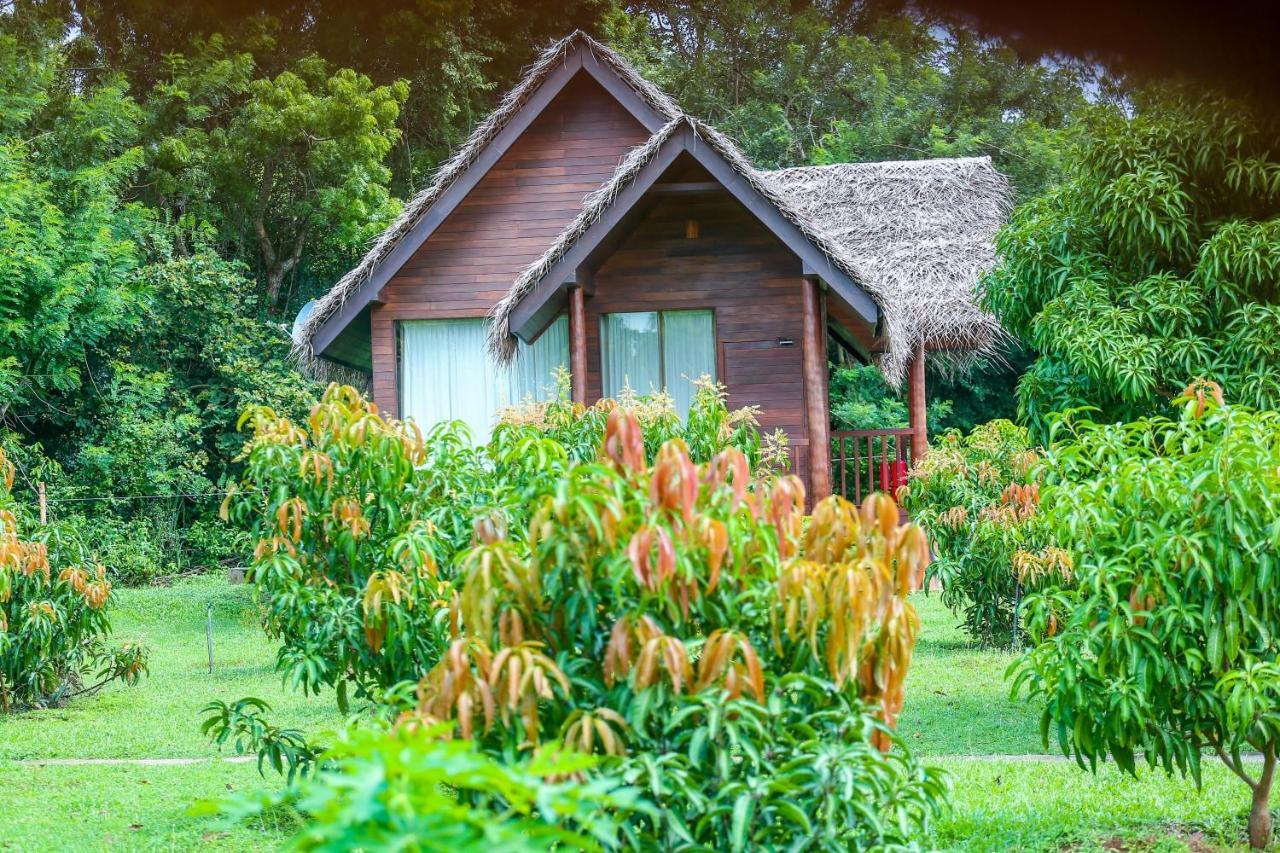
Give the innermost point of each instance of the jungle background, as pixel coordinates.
(177, 180)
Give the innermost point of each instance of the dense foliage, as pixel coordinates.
(356, 520)
(1156, 260)
(678, 619)
(1165, 645)
(845, 82)
(447, 791)
(53, 619)
(978, 495)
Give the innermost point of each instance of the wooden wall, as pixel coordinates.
(507, 221)
(739, 270)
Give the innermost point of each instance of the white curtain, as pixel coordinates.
(446, 373)
(688, 352)
(632, 353)
(649, 351)
(533, 372)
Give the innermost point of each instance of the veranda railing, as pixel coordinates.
(869, 460)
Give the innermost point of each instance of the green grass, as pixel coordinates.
(160, 717)
(1003, 805)
(91, 807)
(132, 808)
(957, 708)
(957, 699)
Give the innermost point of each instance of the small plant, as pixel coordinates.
(399, 789)
(1164, 646)
(979, 497)
(242, 724)
(53, 617)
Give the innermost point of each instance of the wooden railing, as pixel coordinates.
(869, 460)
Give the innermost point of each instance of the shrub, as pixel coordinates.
(393, 790)
(356, 520)
(352, 517)
(1166, 644)
(979, 497)
(53, 616)
(679, 621)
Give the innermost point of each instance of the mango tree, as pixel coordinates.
(1166, 648)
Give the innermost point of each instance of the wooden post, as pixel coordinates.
(44, 504)
(815, 391)
(917, 405)
(578, 344)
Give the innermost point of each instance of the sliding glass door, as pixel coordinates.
(446, 373)
(648, 351)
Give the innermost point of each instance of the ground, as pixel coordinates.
(958, 714)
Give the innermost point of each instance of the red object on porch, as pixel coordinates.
(892, 476)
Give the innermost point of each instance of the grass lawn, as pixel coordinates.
(957, 710)
(161, 716)
(957, 699)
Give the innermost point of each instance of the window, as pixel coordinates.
(446, 373)
(653, 350)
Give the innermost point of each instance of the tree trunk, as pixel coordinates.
(1260, 813)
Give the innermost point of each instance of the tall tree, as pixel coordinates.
(303, 158)
(68, 243)
(1156, 262)
(843, 82)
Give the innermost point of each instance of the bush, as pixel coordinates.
(356, 520)
(978, 496)
(53, 618)
(447, 792)
(678, 621)
(1165, 646)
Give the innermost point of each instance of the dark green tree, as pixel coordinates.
(1156, 261)
(845, 82)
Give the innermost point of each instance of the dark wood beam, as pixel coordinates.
(917, 406)
(687, 188)
(578, 344)
(814, 376)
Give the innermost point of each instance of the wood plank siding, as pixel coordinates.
(740, 271)
(506, 221)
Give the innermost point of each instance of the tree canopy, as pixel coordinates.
(1156, 261)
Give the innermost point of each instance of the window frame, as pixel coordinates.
(662, 332)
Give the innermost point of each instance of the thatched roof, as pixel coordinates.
(484, 133)
(918, 234)
(915, 235)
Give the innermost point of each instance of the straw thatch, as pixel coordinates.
(919, 234)
(914, 234)
(553, 56)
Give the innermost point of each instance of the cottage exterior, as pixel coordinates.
(590, 222)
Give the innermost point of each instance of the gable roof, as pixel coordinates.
(915, 235)
(542, 81)
(534, 298)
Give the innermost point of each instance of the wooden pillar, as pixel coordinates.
(578, 344)
(917, 405)
(815, 391)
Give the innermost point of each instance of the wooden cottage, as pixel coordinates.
(589, 222)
